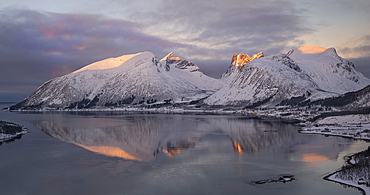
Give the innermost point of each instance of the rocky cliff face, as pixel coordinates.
(243, 59)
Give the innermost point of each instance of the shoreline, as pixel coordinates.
(332, 178)
(355, 126)
(347, 184)
(289, 114)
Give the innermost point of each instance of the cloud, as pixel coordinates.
(37, 46)
(362, 65)
(213, 67)
(360, 48)
(359, 54)
(242, 26)
(65, 34)
(359, 5)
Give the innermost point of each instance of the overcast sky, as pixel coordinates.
(42, 39)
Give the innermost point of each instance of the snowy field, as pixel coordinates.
(351, 126)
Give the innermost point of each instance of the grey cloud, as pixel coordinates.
(362, 49)
(213, 67)
(362, 65)
(36, 47)
(45, 45)
(231, 25)
(358, 5)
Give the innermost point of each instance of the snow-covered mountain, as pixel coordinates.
(305, 74)
(328, 70)
(130, 79)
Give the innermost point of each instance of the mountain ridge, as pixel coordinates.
(305, 74)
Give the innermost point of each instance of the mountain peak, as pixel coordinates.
(243, 59)
(110, 62)
(170, 57)
(331, 51)
(309, 49)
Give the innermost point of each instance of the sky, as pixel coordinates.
(42, 39)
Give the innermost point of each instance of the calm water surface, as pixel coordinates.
(115, 153)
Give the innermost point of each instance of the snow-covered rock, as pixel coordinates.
(243, 59)
(238, 61)
(129, 79)
(10, 131)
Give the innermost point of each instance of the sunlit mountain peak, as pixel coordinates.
(243, 59)
(309, 49)
(108, 63)
(170, 57)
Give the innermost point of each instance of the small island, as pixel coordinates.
(10, 131)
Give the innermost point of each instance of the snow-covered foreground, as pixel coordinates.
(334, 178)
(355, 172)
(351, 126)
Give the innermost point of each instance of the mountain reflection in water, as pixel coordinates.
(143, 137)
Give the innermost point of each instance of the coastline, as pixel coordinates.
(356, 126)
(333, 177)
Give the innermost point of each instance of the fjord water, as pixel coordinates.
(117, 153)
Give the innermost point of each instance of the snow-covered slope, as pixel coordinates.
(268, 80)
(304, 74)
(349, 101)
(129, 79)
(328, 70)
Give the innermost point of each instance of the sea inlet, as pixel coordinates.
(138, 153)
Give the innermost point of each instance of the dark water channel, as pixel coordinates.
(114, 153)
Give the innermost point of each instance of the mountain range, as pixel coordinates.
(300, 77)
